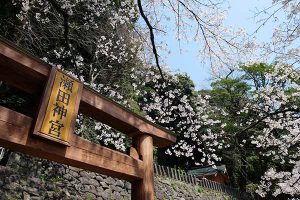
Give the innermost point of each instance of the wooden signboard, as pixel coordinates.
(59, 107)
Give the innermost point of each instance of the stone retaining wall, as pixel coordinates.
(36, 179)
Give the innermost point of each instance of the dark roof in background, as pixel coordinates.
(208, 171)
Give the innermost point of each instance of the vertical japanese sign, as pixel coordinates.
(59, 107)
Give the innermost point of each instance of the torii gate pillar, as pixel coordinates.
(144, 189)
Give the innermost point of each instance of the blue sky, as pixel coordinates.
(240, 15)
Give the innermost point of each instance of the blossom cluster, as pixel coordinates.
(180, 109)
(274, 112)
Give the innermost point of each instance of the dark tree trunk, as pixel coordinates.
(5, 158)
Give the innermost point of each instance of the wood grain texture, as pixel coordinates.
(14, 135)
(108, 112)
(133, 153)
(30, 74)
(144, 189)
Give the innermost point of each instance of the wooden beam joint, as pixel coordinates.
(15, 134)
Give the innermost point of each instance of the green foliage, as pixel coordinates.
(89, 197)
(15, 99)
(229, 93)
(251, 188)
(50, 178)
(118, 3)
(255, 74)
(174, 186)
(200, 190)
(186, 84)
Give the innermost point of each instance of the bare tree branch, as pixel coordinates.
(151, 37)
(265, 117)
(66, 19)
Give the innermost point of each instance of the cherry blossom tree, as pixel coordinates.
(276, 102)
(200, 22)
(91, 40)
(253, 110)
(259, 123)
(263, 127)
(174, 104)
(284, 46)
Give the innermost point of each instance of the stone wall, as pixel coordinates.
(30, 178)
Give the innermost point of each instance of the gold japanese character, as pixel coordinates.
(63, 97)
(55, 128)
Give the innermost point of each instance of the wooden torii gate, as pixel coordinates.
(29, 74)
